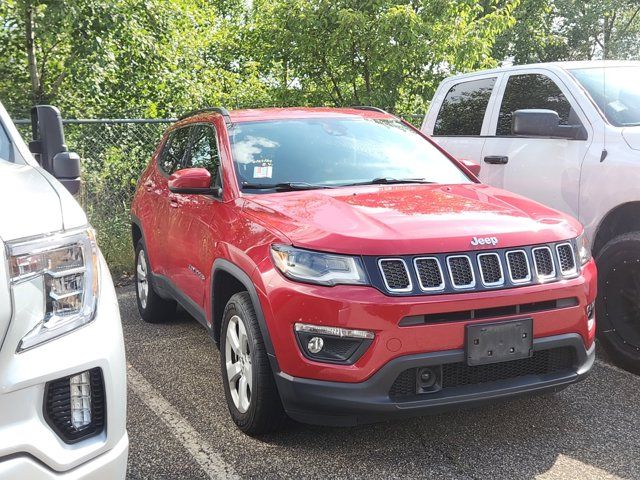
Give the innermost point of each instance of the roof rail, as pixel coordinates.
(221, 110)
(368, 107)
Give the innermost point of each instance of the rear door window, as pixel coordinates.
(462, 111)
(174, 150)
(533, 91)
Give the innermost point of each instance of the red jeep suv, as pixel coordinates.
(350, 270)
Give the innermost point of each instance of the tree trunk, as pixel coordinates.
(36, 88)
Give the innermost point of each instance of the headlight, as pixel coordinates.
(316, 267)
(65, 266)
(584, 252)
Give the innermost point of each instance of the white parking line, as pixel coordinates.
(567, 467)
(208, 459)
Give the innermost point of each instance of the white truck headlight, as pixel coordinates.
(317, 267)
(584, 252)
(67, 265)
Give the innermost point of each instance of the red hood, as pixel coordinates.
(409, 219)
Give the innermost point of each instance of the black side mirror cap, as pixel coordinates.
(544, 123)
(66, 168)
(49, 148)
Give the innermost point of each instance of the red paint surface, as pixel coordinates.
(187, 232)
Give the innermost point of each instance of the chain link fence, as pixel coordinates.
(114, 152)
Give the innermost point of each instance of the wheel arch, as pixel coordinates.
(228, 279)
(136, 230)
(624, 218)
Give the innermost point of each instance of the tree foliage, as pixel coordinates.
(161, 57)
(551, 30)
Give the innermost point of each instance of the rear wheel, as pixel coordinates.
(618, 303)
(249, 387)
(152, 307)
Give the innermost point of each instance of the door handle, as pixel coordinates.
(149, 185)
(496, 159)
(173, 203)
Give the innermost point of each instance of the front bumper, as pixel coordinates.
(345, 404)
(27, 443)
(285, 303)
(108, 466)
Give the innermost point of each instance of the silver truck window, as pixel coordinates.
(533, 91)
(6, 151)
(462, 111)
(615, 90)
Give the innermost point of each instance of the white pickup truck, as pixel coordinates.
(62, 363)
(567, 135)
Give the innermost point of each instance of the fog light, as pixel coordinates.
(80, 394)
(315, 345)
(332, 344)
(74, 406)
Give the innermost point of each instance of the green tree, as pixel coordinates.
(123, 57)
(550, 30)
(379, 52)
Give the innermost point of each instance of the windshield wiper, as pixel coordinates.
(387, 181)
(282, 186)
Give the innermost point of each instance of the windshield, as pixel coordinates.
(332, 152)
(615, 90)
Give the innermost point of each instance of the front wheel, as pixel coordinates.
(249, 387)
(152, 307)
(618, 303)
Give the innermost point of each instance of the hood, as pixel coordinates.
(631, 135)
(30, 204)
(409, 219)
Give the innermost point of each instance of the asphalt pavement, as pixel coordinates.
(179, 426)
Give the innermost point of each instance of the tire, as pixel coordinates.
(152, 307)
(252, 395)
(618, 302)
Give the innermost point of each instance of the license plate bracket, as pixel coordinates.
(499, 342)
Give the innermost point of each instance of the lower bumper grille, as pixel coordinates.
(455, 375)
(57, 408)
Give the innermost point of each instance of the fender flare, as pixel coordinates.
(136, 221)
(221, 264)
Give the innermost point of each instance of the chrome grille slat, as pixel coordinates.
(566, 258)
(429, 272)
(518, 266)
(544, 264)
(461, 271)
(395, 274)
(490, 268)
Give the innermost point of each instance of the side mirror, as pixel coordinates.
(544, 123)
(192, 181)
(66, 168)
(49, 148)
(472, 166)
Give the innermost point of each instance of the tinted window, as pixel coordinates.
(174, 150)
(462, 111)
(336, 151)
(204, 150)
(533, 91)
(5, 146)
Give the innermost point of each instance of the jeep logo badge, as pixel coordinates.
(475, 241)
